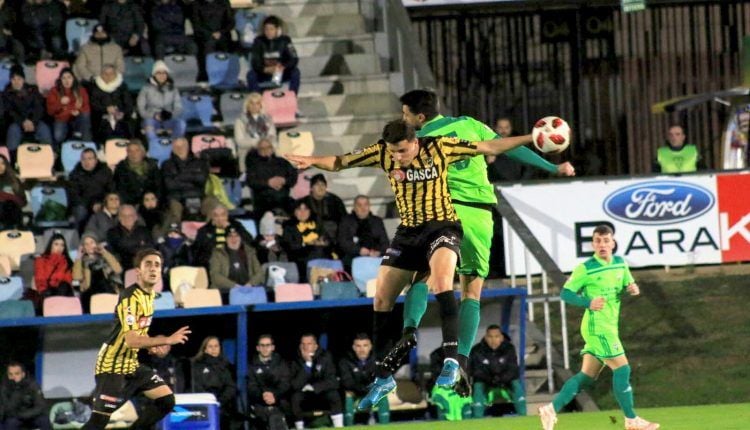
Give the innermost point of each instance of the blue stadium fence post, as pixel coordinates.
(242, 354)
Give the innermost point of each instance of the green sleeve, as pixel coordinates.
(628, 278)
(525, 155)
(574, 299)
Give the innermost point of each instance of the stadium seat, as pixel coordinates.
(233, 188)
(11, 288)
(292, 273)
(249, 225)
(57, 306)
(47, 72)
(281, 105)
(137, 72)
(6, 266)
(5, 153)
(71, 153)
(49, 206)
(325, 263)
(160, 149)
(302, 187)
(78, 32)
(16, 243)
(205, 141)
(5, 73)
(364, 269)
(35, 161)
(103, 303)
(196, 111)
(223, 70)
(164, 301)
(293, 293)
(131, 277)
(231, 105)
(190, 228)
(338, 291)
(115, 150)
(248, 24)
(296, 142)
(201, 298)
(247, 296)
(371, 287)
(185, 278)
(183, 69)
(11, 309)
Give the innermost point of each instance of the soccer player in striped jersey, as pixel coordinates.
(428, 239)
(119, 376)
(597, 285)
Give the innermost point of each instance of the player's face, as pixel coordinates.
(150, 270)
(213, 348)
(403, 152)
(362, 348)
(16, 373)
(265, 347)
(493, 338)
(604, 245)
(414, 120)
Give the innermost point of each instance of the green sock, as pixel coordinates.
(384, 412)
(468, 324)
(572, 387)
(348, 410)
(622, 390)
(415, 304)
(519, 397)
(479, 398)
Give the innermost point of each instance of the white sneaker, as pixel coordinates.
(548, 416)
(639, 423)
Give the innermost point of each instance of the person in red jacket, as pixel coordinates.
(68, 103)
(53, 270)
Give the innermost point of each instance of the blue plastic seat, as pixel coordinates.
(137, 72)
(248, 24)
(11, 288)
(16, 309)
(231, 105)
(249, 225)
(198, 108)
(164, 301)
(71, 153)
(223, 70)
(183, 69)
(160, 149)
(78, 31)
(5, 73)
(364, 269)
(247, 296)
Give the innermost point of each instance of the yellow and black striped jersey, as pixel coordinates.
(421, 188)
(134, 311)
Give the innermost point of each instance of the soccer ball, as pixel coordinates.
(551, 135)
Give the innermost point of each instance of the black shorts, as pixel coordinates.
(112, 389)
(412, 247)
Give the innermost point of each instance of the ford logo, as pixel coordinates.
(659, 202)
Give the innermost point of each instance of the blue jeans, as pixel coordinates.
(16, 134)
(292, 76)
(176, 126)
(80, 124)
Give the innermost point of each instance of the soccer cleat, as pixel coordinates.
(449, 375)
(396, 355)
(548, 416)
(639, 423)
(380, 388)
(463, 386)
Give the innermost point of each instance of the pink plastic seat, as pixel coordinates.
(47, 72)
(293, 293)
(206, 141)
(281, 105)
(57, 306)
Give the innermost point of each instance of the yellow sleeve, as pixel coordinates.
(369, 156)
(129, 313)
(456, 149)
(577, 279)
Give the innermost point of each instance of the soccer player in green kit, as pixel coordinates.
(473, 198)
(596, 285)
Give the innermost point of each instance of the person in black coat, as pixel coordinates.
(268, 382)
(361, 233)
(21, 401)
(168, 30)
(123, 20)
(88, 184)
(127, 238)
(212, 23)
(170, 368)
(10, 45)
(493, 364)
(270, 178)
(185, 178)
(314, 382)
(24, 109)
(43, 29)
(304, 239)
(273, 54)
(111, 105)
(328, 208)
(214, 234)
(357, 371)
(136, 174)
(175, 251)
(212, 373)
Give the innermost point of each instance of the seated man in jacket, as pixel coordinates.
(268, 383)
(23, 108)
(111, 105)
(361, 234)
(234, 265)
(98, 52)
(314, 382)
(271, 179)
(493, 366)
(127, 238)
(21, 401)
(185, 178)
(88, 183)
(214, 235)
(357, 371)
(273, 58)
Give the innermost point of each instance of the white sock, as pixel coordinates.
(299, 425)
(338, 420)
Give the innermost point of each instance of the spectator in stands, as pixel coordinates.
(304, 238)
(167, 30)
(361, 234)
(136, 174)
(357, 371)
(12, 196)
(96, 270)
(123, 20)
(160, 106)
(270, 178)
(154, 214)
(214, 234)
(185, 178)
(327, 207)
(234, 265)
(268, 241)
(253, 125)
(24, 110)
(493, 366)
(10, 46)
(88, 184)
(450, 406)
(175, 250)
(127, 238)
(273, 58)
(68, 104)
(22, 400)
(167, 366)
(106, 218)
(53, 269)
(314, 382)
(43, 27)
(268, 383)
(676, 156)
(501, 167)
(99, 51)
(111, 105)
(212, 23)
(212, 373)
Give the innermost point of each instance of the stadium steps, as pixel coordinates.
(343, 84)
(342, 125)
(348, 104)
(332, 44)
(290, 9)
(534, 401)
(326, 25)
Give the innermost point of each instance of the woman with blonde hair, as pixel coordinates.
(253, 125)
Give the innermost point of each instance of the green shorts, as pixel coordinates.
(477, 240)
(603, 347)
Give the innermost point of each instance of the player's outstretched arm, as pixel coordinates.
(332, 163)
(498, 146)
(134, 340)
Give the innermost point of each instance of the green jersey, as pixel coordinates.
(597, 278)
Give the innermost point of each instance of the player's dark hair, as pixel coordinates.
(603, 230)
(398, 130)
(273, 20)
(493, 327)
(143, 253)
(361, 336)
(421, 101)
(308, 334)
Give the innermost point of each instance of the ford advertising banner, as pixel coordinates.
(660, 221)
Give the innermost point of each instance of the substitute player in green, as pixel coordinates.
(597, 285)
(474, 198)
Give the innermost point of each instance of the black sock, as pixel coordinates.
(408, 331)
(153, 412)
(449, 318)
(380, 340)
(96, 422)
